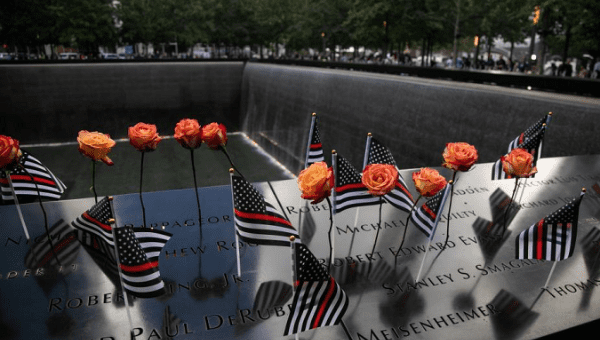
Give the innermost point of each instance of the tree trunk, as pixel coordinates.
(423, 54)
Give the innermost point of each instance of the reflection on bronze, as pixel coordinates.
(206, 299)
(512, 317)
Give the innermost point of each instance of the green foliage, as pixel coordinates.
(568, 27)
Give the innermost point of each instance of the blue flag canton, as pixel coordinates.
(346, 173)
(246, 197)
(564, 215)
(379, 154)
(316, 138)
(434, 203)
(130, 252)
(101, 211)
(308, 267)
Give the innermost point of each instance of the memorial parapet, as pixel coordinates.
(472, 289)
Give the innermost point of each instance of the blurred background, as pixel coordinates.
(550, 37)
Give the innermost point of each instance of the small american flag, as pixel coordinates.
(138, 249)
(94, 230)
(318, 300)
(349, 190)
(399, 197)
(553, 237)
(531, 140)
(314, 153)
(140, 275)
(258, 221)
(427, 216)
(29, 177)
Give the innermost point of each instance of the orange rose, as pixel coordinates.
(188, 133)
(379, 178)
(315, 182)
(144, 137)
(95, 145)
(518, 163)
(459, 156)
(214, 135)
(9, 151)
(428, 181)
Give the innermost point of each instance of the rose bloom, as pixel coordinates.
(379, 178)
(459, 156)
(95, 145)
(188, 133)
(428, 181)
(144, 137)
(9, 151)
(315, 182)
(214, 135)
(518, 163)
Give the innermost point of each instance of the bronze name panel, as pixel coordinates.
(472, 289)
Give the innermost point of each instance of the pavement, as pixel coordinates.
(169, 167)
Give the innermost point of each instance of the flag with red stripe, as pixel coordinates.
(318, 300)
(314, 154)
(29, 178)
(377, 153)
(349, 190)
(257, 221)
(553, 237)
(531, 140)
(138, 249)
(140, 275)
(427, 216)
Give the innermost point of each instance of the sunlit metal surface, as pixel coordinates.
(474, 289)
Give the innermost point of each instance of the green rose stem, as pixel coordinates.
(224, 149)
(376, 235)
(407, 219)
(93, 188)
(512, 198)
(196, 189)
(141, 199)
(379, 223)
(12, 189)
(330, 234)
(449, 209)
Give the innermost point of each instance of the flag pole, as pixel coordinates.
(237, 240)
(332, 206)
(549, 275)
(437, 219)
(293, 253)
(367, 150)
(310, 133)
(113, 223)
(12, 189)
(345, 329)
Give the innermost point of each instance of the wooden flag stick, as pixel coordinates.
(113, 223)
(549, 275)
(331, 211)
(310, 133)
(237, 240)
(293, 253)
(435, 223)
(423, 261)
(20, 213)
(346, 329)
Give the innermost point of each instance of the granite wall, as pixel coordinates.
(414, 117)
(51, 102)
